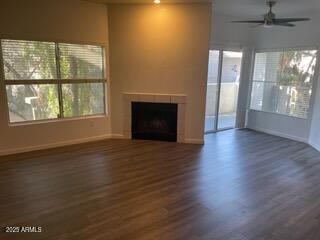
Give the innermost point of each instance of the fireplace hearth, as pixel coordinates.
(154, 121)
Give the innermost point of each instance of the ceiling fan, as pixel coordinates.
(269, 19)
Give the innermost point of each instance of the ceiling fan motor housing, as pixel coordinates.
(269, 17)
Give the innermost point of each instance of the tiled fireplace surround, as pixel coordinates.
(179, 99)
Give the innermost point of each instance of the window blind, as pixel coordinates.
(282, 82)
(25, 60)
(48, 80)
(81, 61)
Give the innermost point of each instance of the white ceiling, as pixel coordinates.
(148, 1)
(246, 9)
(256, 8)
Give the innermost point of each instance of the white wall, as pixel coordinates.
(315, 127)
(304, 34)
(279, 125)
(225, 34)
(314, 137)
(160, 49)
(52, 20)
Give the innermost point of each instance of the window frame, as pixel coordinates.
(56, 81)
(314, 79)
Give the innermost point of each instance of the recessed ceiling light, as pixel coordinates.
(156, 1)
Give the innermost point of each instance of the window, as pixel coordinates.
(47, 80)
(282, 82)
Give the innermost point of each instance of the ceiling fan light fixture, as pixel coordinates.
(266, 25)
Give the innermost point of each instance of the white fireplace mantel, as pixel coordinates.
(179, 99)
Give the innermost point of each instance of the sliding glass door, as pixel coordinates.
(222, 90)
(212, 91)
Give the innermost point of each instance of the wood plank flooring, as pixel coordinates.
(240, 185)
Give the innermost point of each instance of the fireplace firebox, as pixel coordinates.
(154, 121)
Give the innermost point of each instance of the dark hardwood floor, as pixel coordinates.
(241, 185)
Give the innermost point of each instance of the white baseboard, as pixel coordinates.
(315, 145)
(279, 134)
(117, 136)
(54, 145)
(194, 141)
(76, 141)
(120, 136)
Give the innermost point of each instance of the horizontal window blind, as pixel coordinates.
(263, 63)
(48, 80)
(81, 61)
(25, 60)
(282, 82)
(90, 95)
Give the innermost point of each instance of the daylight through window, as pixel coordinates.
(47, 80)
(282, 82)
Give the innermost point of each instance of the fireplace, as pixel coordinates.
(154, 121)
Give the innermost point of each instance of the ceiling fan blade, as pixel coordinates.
(249, 21)
(258, 25)
(285, 24)
(283, 20)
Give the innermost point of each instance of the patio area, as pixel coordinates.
(224, 121)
